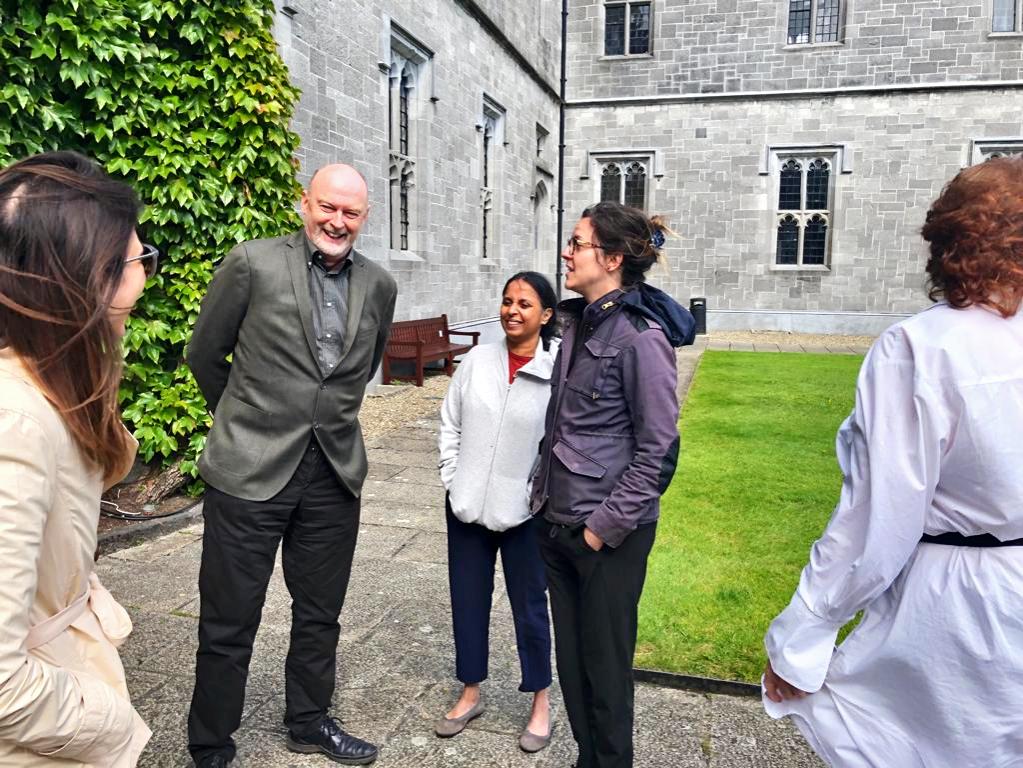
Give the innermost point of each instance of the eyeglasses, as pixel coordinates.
(574, 243)
(149, 257)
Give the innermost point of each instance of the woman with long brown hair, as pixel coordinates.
(71, 269)
(927, 537)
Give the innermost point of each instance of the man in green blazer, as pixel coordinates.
(304, 319)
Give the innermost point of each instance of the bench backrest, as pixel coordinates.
(428, 329)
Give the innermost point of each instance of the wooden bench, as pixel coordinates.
(424, 341)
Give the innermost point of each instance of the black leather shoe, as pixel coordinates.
(339, 746)
(215, 761)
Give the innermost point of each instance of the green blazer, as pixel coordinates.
(271, 398)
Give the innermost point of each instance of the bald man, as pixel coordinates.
(304, 318)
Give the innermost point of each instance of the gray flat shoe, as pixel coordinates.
(530, 742)
(452, 726)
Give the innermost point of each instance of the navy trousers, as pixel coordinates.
(472, 556)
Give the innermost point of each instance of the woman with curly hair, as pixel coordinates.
(927, 537)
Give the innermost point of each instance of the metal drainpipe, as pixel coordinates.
(561, 143)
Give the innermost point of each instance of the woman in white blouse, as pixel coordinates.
(927, 537)
(492, 422)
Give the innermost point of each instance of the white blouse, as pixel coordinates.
(934, 444)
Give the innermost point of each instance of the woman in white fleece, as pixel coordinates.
(492, 422)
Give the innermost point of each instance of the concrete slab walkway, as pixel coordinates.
(396, 658)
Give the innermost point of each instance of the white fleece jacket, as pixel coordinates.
(490, 433)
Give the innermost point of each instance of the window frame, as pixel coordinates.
(623, 161)
(1016, 31)
(981, 150)
(409, 74)
(803, 215)
(491, 127)
(812, 42)
(626, 31)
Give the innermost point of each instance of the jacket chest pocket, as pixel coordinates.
(592, 376)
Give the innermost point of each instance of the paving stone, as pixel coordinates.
(378, 471)
(406, 494)
(425, 547)
(377, 541)
(424, 459)
(391, 514)
(419, 476)
(157, 549)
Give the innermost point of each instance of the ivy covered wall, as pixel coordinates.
(189, 102)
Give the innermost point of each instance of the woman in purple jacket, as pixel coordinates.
(609, 452)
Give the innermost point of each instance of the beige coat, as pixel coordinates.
(63, 699)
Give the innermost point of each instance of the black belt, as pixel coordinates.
(980, 540)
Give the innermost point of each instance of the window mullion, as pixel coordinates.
(803, 177)
(801, 219)
(628, 28)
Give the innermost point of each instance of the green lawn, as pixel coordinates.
(756, 482)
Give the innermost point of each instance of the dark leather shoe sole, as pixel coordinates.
(310, 749)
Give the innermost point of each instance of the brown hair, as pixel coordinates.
(628, 231)
(64, 232)
(975, 229)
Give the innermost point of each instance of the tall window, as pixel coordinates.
(805, 204)
(627, 28)
(407, 68)
(1006, 15)
(814, 21)
(491, 127)
(624, 181)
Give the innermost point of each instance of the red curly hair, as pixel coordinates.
(975, 229)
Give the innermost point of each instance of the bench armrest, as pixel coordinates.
(475, 335)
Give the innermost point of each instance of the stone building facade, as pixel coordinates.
(793, 144)
(450, 109)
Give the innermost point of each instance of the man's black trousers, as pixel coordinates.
(318, 520)
(594, 601)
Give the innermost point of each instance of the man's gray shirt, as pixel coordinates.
(328, 293)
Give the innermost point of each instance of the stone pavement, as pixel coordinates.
(396, 658)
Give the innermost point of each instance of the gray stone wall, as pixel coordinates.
(899, 150)
(718, 46)
(336, 53)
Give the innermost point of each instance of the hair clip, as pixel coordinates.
(657, 238)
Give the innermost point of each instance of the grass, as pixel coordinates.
(756, 482)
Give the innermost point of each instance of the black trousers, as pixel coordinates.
(472, 557)
(594, 600)
(318, 520)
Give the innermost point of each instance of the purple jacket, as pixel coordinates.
(611, 438)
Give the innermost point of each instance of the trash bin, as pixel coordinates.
(698, 307)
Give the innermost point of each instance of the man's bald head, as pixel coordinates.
(335, 207)
(340, 172)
